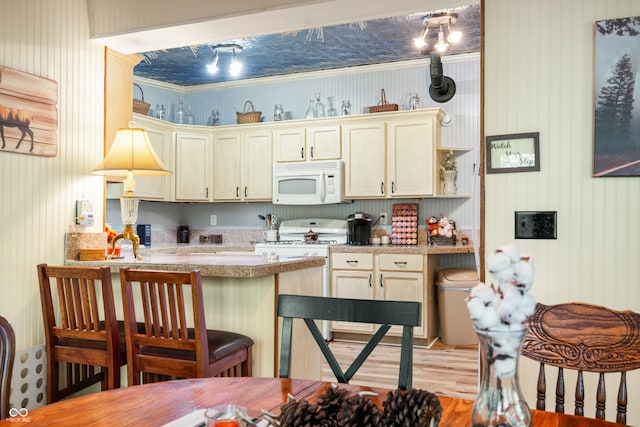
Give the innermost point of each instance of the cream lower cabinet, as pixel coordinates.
(192, 167)
(242, 165)
(391, 156)
(394, 277)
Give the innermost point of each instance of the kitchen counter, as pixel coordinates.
(404, 249)
(242, 265)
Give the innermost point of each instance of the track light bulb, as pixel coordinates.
(235, 66)
(441, 46)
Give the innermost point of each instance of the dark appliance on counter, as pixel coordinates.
(183, 234)
(359, 228)
(144, 232)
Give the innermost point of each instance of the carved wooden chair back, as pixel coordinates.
(81, 331)
(383, 313)
(584, 338)
(7, 354)
(174, 342)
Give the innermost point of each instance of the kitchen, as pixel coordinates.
(51, 186)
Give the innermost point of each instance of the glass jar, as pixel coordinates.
(278, 112)
(500, 401)
(214, 118)
(346, 108)
(160, 112)
(189, 118)
(414, 101)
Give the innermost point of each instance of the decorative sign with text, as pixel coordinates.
(513, 153)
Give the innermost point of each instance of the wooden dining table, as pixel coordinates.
(165, 402)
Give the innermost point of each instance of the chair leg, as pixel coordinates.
(246, 365)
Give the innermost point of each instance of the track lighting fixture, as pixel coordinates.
(440, 21)
(235, 66)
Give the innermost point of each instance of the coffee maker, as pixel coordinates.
(359, 228)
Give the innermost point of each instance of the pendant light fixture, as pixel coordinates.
(441, 21)
(235, 66)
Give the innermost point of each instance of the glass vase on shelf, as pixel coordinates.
(180, 112)
(320, 112)
(500, 401)
(188, 117)
(311, 111)
(331, 110)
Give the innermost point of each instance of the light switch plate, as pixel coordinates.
(84, 213)
(535, 225)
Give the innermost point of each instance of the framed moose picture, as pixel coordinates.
(28, 113)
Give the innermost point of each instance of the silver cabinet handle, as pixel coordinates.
(352, 261)
(370, 277)
(382, 187)
(400, 262)
(302, 153)
(312, 152)
(245, 191)
(381, 280)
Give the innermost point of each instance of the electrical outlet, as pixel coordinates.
(214, 219)
(535, 225)
(383, 218)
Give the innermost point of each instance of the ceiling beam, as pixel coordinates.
(156, 24)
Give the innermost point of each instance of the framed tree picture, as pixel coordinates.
(616, 147)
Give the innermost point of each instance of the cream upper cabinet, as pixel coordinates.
(192, 167)
(310, 143)
(364, 151)
(391, 155)
(161, 137)
(242, 165)
(411, 157)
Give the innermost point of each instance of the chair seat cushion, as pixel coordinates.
(221, 344)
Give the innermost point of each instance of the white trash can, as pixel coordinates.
(453, 286)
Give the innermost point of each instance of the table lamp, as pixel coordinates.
(131, 154)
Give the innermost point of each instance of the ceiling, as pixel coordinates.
(363, 43)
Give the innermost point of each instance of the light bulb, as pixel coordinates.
(235, 66)
(421, 41)
(213, 66)
(454, 35)
(441, 46)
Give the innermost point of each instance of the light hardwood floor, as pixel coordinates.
(441, 369)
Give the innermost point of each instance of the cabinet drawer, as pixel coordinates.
(351, 261)
(401, 262)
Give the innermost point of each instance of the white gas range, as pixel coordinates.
(292, 243)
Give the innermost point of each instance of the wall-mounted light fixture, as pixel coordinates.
(235, 66)
(439, 20)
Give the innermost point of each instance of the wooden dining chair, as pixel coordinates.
(383, 313)
(7, 354)
(175, 342)
(584, 338)
(81, 331)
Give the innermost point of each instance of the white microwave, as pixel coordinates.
(311, 183)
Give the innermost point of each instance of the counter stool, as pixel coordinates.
(86, 335)
(175, 342)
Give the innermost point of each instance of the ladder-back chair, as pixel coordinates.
(175, 342)
(383, 313)
(584, 338)
(81, 331)
(7, 354)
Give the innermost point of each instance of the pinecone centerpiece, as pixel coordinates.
(337, 408)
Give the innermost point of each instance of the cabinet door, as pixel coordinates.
(364, 154)
(226, 166)
(352, 284)
(192, 167)
(257, 166)
(402, 286)
(323, 142)
(157, 187)
(289, 145)
(411, 158)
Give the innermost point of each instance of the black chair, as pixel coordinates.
(384, 313)
(7, 354)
